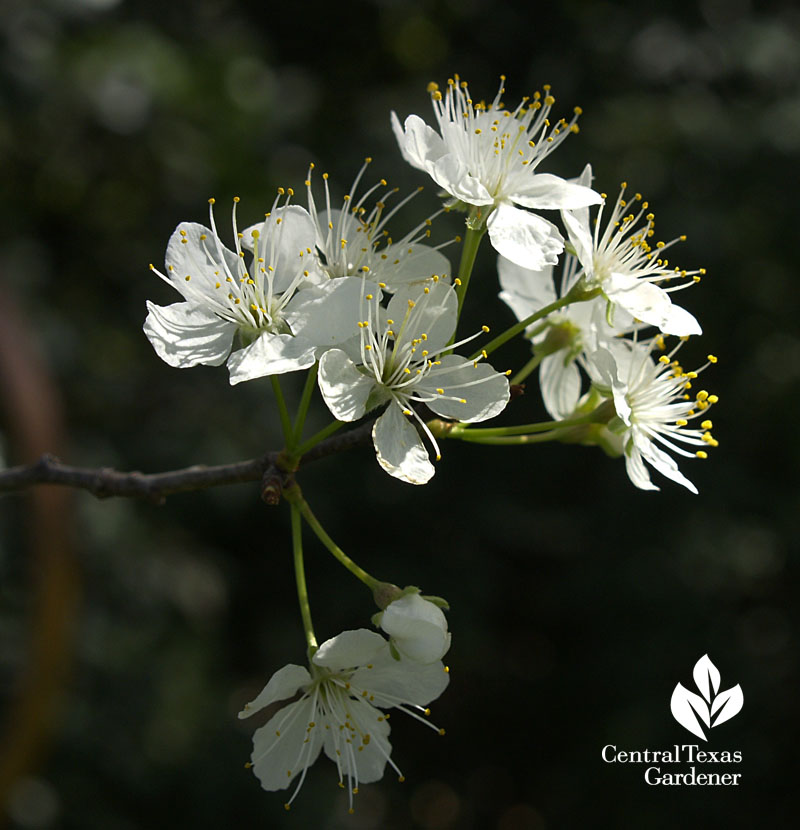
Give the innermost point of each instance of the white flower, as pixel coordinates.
(354, 240)
(350, 680)
(282, 309)
(653, 407)
(402, 362)
(417, 627)
(564, 333)
(620, 261)
(486, 155)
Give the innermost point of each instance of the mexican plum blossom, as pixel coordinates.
(486, 156)
(653, 407)
(354, 241)
(402, 362)
(350, 680)
(563, 335)
(619, 260)
(417, 628)
(280, 307)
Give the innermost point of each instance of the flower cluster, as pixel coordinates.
(373, 319)
(350, 680)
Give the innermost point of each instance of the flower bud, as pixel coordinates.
(417, 627)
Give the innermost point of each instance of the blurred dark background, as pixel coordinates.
(578, 602)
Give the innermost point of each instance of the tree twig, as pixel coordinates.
(104, 482)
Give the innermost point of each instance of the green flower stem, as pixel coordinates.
(476, 228)
(461, 430)
(305, 400)
(527, 368)
(514, 330)
(577, 294)
(295, 497)
(286, 421)
(508, 440)
(300, 578)
(317, 437)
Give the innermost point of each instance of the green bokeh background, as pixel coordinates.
(578, 602)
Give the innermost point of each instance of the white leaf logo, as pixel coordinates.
(714, 707)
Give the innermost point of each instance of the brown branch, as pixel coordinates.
(103, 482)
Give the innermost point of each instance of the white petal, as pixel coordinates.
(205, 260)
(524, 238)
(420, 145)
(402, 680)
(326, 314)
(434, 314)
(417, 627)
(399, 448)
(475, 401)
(350, 649)
(362, 753)
(635, 467)
(453, 176)
(409, 264)
(602, 368)
(344, 389)
(580, 235)
(644, 300)
(547, 192)
(400, 135)
(665, 464)
(679, 322)
(285, 683)
(184, 335)
(271, 354)
(525, 290)
(287, 240)
(560, 385)
(285, 746)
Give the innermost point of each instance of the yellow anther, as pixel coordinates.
(712, 358)
(485, 329)
(702, 395)
(456, 281)
(440, 391)
(706, 424)
(681, 422)
(236, 199)
(701, 454)
(411, 304)
(369, 296)
(712, 399)
(663, 359)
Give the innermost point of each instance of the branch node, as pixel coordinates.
(272, 485)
